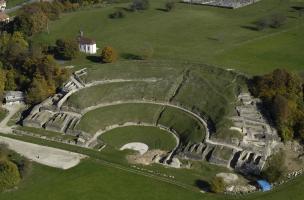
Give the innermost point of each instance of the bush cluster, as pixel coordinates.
(274, 21)
(13, 167)
(117, 15)
(282, 94)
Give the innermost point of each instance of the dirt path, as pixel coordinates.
(44, 155)
(12, 110)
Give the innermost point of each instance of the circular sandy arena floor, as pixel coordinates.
(136, 146)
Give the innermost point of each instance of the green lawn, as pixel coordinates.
(13, 3)
(188, 128)
(119, 92)
(100, 118)
(193, 33)
(154, 137)
(92, 180)
(3, 113)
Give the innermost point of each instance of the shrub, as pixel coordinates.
(217, 185)
(140, 5)
(274, 21)
(170, 5)
(117, 15)
(277, 20)
(66, 49)
(108, 55)
(9, 175)
(262, 24)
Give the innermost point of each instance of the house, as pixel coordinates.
(86, 45)
(11, 97)
(2, 5)
(4, 18)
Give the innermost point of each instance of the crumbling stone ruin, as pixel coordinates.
(259, 141)
(247, 155)
(50, 116)
(223, 3)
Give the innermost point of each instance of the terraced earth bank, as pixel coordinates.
(196, 103)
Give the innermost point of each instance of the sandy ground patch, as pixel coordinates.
(136, 146)
(44, 155)
(228, 178)
(148, 158)
(294, 159)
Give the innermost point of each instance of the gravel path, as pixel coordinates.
(44, 155)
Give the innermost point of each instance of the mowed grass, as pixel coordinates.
(193, 33)
(13, 3)
(92, 180)
(158, 69)
(188, 128)
(124, 91)
(154, 137)
(100, 118)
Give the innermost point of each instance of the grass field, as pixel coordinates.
(92, 180)
(194, 33)
(188, 128)
(100, 118)
(151, 136)
(12, 3)
(206, 90)
(119, 92)
(187, 35)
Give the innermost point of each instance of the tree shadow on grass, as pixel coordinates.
(203, 185)
(130, 56)
(95, 59)
(161, 9)
(250, 27)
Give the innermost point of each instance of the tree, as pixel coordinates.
(262, 24)
(9, 175)
(217, 185)
(2, 82)
(117, 14)
(170, 5)
(10, 83)
(108, 55)
(282, 94)
(277, 20)
(67, 49)
(38, 90)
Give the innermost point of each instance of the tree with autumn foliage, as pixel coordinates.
(108, 55)
(282, 94)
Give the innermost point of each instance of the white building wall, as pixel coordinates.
(88, 48)
(2, 6)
